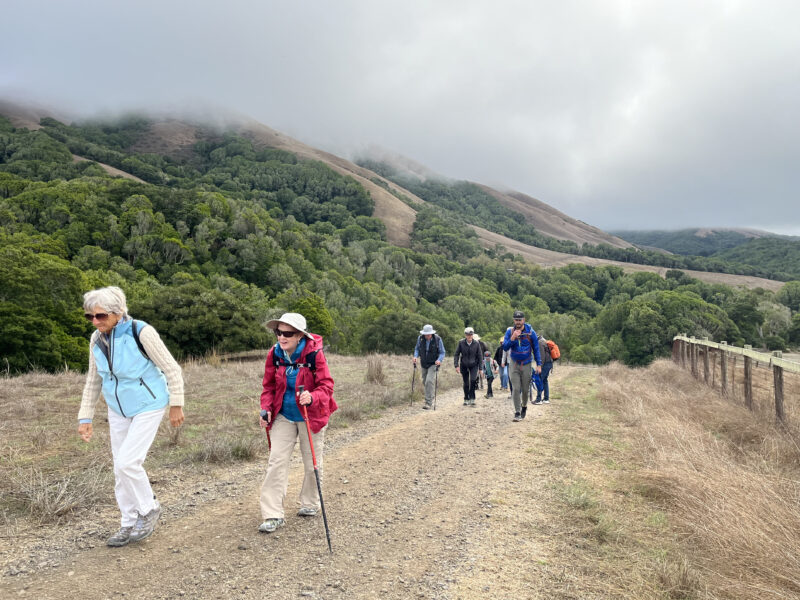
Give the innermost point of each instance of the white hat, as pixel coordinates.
(295, 320)
(469, 330)
(477, 337)
(428, 330)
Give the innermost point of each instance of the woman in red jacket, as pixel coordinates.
(295, 361)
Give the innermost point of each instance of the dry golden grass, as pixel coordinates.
(728, 480)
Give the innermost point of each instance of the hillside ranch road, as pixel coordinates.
(449, 503)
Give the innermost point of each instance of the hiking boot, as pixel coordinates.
(466, 402)
(523, 412)
(517, 417)
(270, 525)
(120, 538)
(145, 524)
(538, 401)
(426, 407)
(490, 395)
(307, 511)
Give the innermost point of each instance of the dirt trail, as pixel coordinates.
(431, 504)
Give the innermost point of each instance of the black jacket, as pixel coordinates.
(471, 354)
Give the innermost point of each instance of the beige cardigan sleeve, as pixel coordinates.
(92, 387)
(163, 359)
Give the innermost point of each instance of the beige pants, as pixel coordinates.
(284, 434)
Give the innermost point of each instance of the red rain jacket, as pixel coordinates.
(319, 383)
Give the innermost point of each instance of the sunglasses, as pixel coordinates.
(286, 334)
(98, 316)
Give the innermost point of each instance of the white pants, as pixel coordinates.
(284, 434)
(130, 440)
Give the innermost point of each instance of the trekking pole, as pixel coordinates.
(413, 379)
(435, 386)
(266, 429)
(316, 474)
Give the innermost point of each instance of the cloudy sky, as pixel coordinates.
(622, 113)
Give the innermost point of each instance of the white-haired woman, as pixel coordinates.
(138, 377)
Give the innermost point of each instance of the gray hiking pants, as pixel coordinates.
(429, 382)
(520, 376)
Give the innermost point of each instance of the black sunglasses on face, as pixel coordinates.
(98, 316)
(286, 334)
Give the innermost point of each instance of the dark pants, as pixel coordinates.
(470, 377)
(489, 381)
(546, 367)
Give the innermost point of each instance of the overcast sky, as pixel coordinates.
(621, 113)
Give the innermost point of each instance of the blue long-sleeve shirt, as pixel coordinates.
(525, 348)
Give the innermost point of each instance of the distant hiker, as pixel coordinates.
(295, 361)
(489, 370)
(471, 357)
(138, 377)
(430, 352)
(547, 366)
(521, 342)
(481, 374)
(498, 358)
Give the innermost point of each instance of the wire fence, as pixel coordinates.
(767, 384)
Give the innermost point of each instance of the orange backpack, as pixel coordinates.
(552, 347)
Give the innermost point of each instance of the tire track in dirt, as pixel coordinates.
(437, 504)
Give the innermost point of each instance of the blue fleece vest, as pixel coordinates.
(132, 384)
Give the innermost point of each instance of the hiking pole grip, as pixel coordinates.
(263, 414)
(316, 474)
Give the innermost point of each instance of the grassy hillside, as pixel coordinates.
(468, 203)
(694, 242)
(774, 254)
(215, 239)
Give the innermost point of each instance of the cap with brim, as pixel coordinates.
(428, 330)
(295, 320)
(518, 314)
(469, 330)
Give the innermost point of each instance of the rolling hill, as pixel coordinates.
(393, 203)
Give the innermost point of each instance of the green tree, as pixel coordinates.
(319, 320)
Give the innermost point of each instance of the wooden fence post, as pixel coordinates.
(713, 368)
(748, 380)
(723, 368)
(693, 356)
(777, 376)
(705, 361)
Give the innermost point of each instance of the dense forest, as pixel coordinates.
(469, 203)
(692, 242)
(214, 242)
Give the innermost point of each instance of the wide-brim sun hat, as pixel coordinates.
(428, 330)
(295, 320)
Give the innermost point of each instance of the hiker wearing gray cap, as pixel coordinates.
(471, 355)
(430, 352)
(523, 347)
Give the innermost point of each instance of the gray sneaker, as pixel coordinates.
(145, 524)
(270, 525)
(517, 417)
(120, 538)
(546, 401)
(307, 511)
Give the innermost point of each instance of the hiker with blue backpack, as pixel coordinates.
(521, 343)
(547, 365)
(139, 378)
